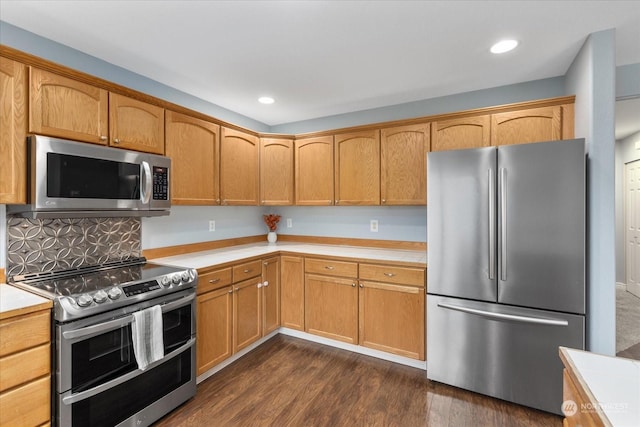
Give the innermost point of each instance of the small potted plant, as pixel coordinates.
(272, 223)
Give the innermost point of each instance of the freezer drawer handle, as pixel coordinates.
(502, 316)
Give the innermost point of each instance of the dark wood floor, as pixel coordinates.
(293, 382)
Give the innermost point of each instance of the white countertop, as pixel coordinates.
(614, 382)
(236, 253)
(16, 300)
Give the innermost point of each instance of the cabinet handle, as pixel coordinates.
(389, 274)
(217, 200)
(265, 284)
(237, 289)
(329, 201)
(265, 263)
(260, 285)
(116, 141)
(353, 285)
(214, 280)
(337, 202)
(361, 285)
(329, 267)
(103, 138)
(230, 291)
(384, 201)
(247, 270)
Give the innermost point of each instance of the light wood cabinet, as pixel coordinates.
(357, 168)
(66, 108)
(270, 295)
(403, 164)
(292, 292)
(239, 166)
(13, 131)
(135, 125)
(25, 369)
(214, 328)
(194, 148)
(276, 171)
(461, 133)
(211, 280)
(314, 171)
(247, 321)
(392, 310)
(524, 126)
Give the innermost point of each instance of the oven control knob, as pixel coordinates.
(176, 278)
(114, 293)
(185, 276)
(165, 280)
(84, 300)
(100, 297)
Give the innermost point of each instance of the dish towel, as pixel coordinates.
(146, 331)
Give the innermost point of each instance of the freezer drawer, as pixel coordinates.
(502, 351)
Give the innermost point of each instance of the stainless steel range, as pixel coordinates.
(98, 381)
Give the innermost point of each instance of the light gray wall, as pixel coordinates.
(628, 81)
(591, 77)
(626, 152)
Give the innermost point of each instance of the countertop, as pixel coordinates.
(614, 383)
(236, 253)
(14, 302)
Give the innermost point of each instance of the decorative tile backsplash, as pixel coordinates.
(36, 245)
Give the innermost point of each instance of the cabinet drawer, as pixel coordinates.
(25, 366)
(329, 267)
(24, 332)
(247, 271)
(28, 405)
(214, 280)
(393, 274)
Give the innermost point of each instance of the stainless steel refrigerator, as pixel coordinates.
(506, 268)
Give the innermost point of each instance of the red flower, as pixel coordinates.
(272, 221)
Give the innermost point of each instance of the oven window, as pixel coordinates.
(121, 402)
(107, 356)
(83, 177)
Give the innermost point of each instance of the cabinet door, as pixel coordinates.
(357, 168)
(247, 301)
(292, 292)
(276, 171)
(239, 179)
(213, 328)
(392, 318)
(314, 171)
(524, 126)
(270, 295)
(403, 164)
(194, 148)
(135, 125)
(66, 108)
(13, 132)
(457, 134)
(331, 307)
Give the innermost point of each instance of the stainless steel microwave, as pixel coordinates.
(75, 179)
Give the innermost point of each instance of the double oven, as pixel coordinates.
(97, 379)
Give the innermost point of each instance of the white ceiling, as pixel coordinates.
(320, 58)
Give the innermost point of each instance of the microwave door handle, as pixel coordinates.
(147, 182)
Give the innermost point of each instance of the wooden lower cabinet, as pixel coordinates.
(331, 307)
(292, 292)
(247, 322)
(214, 328)
(270, 295)
(25, 370)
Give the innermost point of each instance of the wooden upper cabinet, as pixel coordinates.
(194, 148)
(239, 166)
(135, 125)
(403, 164)
(314, 171)
(66, 108)
(524, 126)
(276, 171)
(457, 134)
(13, 131)
(357, 168)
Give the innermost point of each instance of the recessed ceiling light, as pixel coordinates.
(504, 46)
(266, 100)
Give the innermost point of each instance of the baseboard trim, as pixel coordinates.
(622, 286)
(634, 289)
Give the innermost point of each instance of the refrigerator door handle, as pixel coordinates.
(503, 223)
(492, 226)
(503, 316)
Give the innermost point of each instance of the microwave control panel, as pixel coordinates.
(160, 183)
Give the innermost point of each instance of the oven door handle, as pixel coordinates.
(69, 400)
(122, 321)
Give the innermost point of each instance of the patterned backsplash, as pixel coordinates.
(37, 245)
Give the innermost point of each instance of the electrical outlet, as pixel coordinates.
(212, 225)
(289, 223)
(373, 225)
